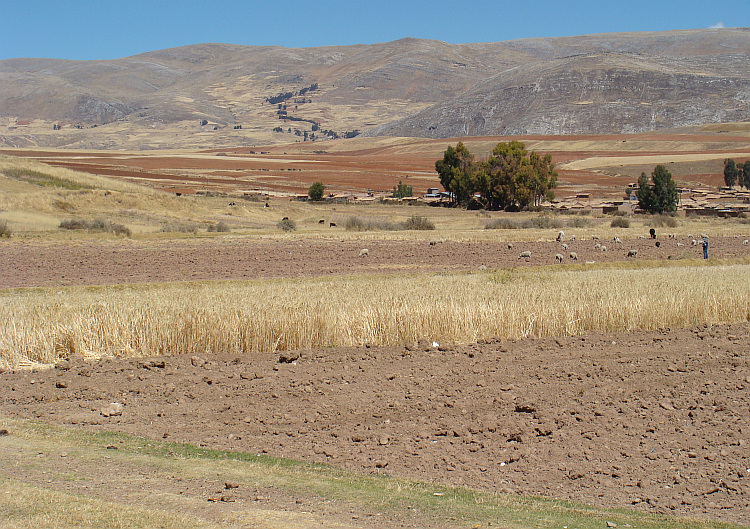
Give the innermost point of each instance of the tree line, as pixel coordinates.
(737, 173)
(512, 178)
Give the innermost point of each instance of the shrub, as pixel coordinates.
(578, 222)
(661, 221)
(418, 223)
(221, 227)
(369, 224)
(543, 222)
(179, 227)
(286, 224)
(501, 224)
(97, 225)
(5, 231)
(620, 222)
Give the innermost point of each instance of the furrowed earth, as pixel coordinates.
(656, 421)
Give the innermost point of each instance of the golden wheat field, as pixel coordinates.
(42, 326)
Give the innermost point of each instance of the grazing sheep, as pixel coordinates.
(671, 236)
(435, 243)
(573, 256)
(745, 241)
(689, 236)
(561, 236)
(641, 236)
(572, 237)
(604, 248)
(704, 236)
(510, 246)
(595, 237)
(331, 224)
(735, 236)
(322, 221)
(658, 244)
(597, 246)
(564, 246)
(482, 268)
(559, 258)
(364, 252)
(694, 242)
(617, 240)
(680, 244)
(633, 253)
(525, 255)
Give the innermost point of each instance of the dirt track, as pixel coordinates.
(657, 421)
(116, 262)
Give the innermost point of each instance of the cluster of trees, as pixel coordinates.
(511, 178)
(660, 195)
(737, 173)
(402, 190)
(275, 100)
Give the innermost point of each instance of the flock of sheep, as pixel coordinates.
(573, 256)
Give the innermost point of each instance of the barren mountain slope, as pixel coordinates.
(606, 83)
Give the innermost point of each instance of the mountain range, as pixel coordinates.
(224, 94)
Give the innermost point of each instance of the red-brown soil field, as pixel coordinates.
(656, 421)
(38, 264)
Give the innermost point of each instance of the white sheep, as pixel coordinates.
(559, 258)
(572, 237)
(604, 248)
(364, 252)
(694, 242)
(672, 236)
(595, 237)
(510, 246)
(525, 255)
(561, 236)
(573, 256)
(704, 236)
(680, 244)
(564, 246)
(745, 241)
(617, 240)
(641, 236)
(597, 246)
(633, 253)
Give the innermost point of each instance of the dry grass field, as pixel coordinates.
(151, 274)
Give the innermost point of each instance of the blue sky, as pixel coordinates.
(108, 29)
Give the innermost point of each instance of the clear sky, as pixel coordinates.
(108, 29)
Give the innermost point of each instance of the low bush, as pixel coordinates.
(220, 227)
(97, 225)
(502, 224)
(369, 224)
(179, 227)
(5, 230)
(662, 221)
(540, 223)
(418, 223)
(620, 222)
(286, 224)
(578, 222)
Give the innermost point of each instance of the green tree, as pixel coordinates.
(730, 172)
(746, 174)
(402, 190)
(456, 170)
(661, 195)
(316, 191)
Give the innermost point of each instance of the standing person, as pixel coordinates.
(705, 248)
